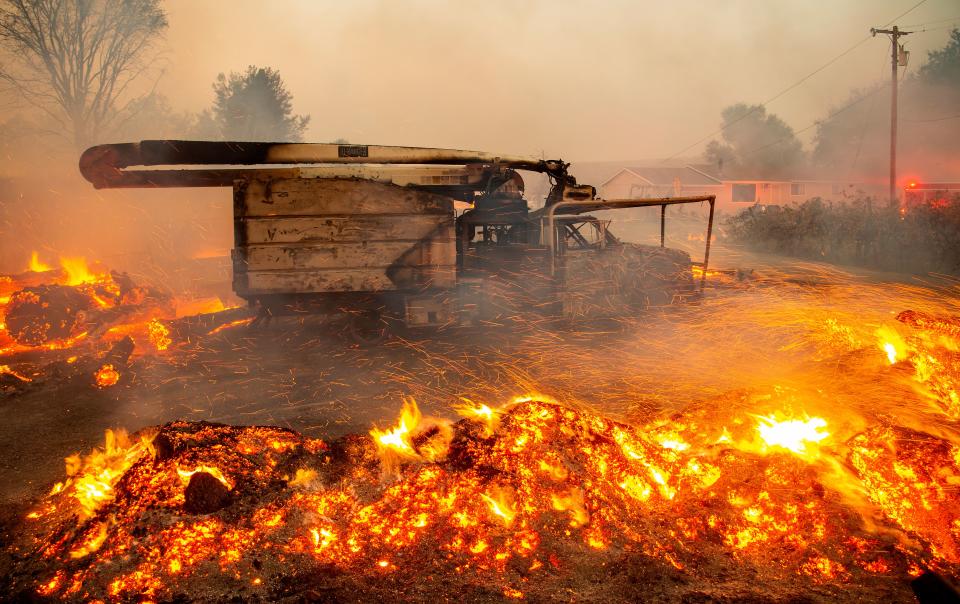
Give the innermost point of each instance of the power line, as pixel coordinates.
(817, 122)
(909, 10)
(926, 29)
(950, 20)
(789, 88)
(771, 99)
(936, 119)
(838, 112)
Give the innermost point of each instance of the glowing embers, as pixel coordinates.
(214, 471)
(912, 477)
(931, 350)
(7, 370)
(92, 541)
(159, 334)
(106, 376)
(230, 325)
(548, 490)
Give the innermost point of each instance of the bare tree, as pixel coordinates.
(76, 59)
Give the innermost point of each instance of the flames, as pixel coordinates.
(211, 470)
(548, 488)
(398, 441)
(159, 334)
(481, 413)
(892, 343)
(77, 272)
(799, 436)
(106, 376)
(74, 270)
(36, 265)
(501, 504)
(91, 479)
(779, 485)
(81, 306)
(413, 438)
(931, 352)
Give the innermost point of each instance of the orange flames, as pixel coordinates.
(481, 413)
(799, 436)
(211, 470)
(932, 354)
(100, 303)
(159, 334)
(77, 272)
(397, 445)
(36, 265)
(90, 479)
(106, 376)
(545, 483)
(501, 504)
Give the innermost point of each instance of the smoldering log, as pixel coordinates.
(205, 494)
(38, 315)
(190, 328)
(120, 353)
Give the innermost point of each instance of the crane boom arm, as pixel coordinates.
(214, 164)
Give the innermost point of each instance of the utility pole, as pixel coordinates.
(895, 60)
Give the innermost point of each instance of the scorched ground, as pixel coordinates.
(789, 439)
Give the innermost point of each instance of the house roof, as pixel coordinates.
(666, 175)
(597, 172)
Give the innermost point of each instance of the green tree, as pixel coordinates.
(76, 59)
(943, 66)
(755, 144)
(253, 106)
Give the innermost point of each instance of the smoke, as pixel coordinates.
(856, 144)
(569, 80)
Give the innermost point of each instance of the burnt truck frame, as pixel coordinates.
(374, 232)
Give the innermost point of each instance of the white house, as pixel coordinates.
(732, 194)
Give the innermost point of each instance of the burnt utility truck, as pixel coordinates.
(412, 237)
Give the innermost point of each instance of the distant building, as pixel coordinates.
(930, 193)
(732, 194)
(686, 181)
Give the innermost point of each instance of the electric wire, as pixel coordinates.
(857, 101)
(764, 104)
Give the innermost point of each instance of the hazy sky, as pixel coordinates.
(582, 80)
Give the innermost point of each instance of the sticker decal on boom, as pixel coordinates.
(353, 151)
